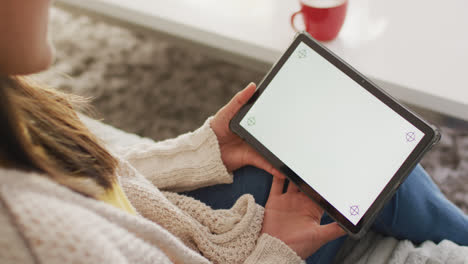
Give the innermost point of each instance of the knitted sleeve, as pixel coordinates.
(272, 250)
(190, 161)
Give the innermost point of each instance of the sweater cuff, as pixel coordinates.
(219, 174)
(272, 250)
(188, 162)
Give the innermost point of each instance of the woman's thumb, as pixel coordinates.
(240, 99)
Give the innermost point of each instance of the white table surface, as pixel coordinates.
(417, 50)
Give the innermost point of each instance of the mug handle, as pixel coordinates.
(293, 16)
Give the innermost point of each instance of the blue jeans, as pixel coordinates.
(418, 211)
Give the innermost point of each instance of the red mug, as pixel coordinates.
(323, 19)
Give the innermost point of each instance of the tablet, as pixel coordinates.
(341, 139)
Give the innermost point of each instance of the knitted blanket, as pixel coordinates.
(376, 249)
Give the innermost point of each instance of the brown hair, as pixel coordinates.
(41, 132)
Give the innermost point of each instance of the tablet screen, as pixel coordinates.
(339, 138)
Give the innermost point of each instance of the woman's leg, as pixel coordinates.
(248, 179)
(419, 211)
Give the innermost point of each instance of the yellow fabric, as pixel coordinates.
(116, 197)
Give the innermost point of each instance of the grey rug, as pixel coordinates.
(152, 88)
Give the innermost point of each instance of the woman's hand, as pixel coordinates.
(294, 218)
(235, 153)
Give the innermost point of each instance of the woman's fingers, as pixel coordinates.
(292, 188)
(330, 232)
(240, 99)
(277, 186)
(220, 122)
(255, 159)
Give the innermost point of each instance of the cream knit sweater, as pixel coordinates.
(43, 222)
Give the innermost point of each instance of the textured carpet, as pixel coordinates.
(155, 89)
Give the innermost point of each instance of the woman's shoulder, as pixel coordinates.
(58, 225)
(28, 215)
(31, 196)
(13, 248)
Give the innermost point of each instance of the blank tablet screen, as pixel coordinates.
(333, 133)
